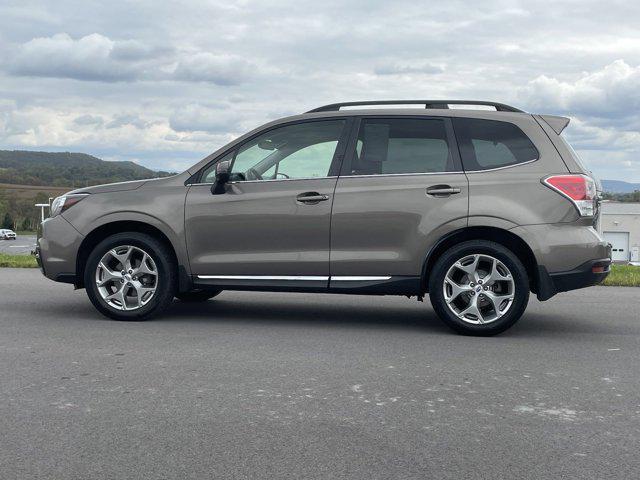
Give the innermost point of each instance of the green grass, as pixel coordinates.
(623, 276)
(620, 276)
(17, 261)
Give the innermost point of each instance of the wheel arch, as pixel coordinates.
(504, 237)
(99, 233)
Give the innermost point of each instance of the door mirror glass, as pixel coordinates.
(223, 172)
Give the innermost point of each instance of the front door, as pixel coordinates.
(401, 189)
(272, 224)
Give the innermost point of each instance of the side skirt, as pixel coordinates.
(362, 285)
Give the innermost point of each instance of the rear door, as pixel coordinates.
(401, 188)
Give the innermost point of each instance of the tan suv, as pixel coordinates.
(475, 205)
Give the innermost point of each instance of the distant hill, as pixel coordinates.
(618, 186)
(64, 169)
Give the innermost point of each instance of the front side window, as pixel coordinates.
(401, 146)
(487, 144)
(302, 150)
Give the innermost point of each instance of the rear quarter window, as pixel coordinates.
(487, 144)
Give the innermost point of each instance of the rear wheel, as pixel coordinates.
(197, 295)
(130, 276)
(479, 288)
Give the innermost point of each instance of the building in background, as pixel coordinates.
(620, 226)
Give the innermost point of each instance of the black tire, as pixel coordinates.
(504, 255)
(197, 295)
(167, 276)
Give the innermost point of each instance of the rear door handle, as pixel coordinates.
(312, 197)
(442, 190)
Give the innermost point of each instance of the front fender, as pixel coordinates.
(161, 207)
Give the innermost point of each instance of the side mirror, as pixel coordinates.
(223, 172)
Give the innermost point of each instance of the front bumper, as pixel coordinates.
(38, 256)
(589, 273)
(57, 249)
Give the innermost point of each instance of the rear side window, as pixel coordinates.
(487, 144)
(401, 145)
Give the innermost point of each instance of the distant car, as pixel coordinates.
(7, 234)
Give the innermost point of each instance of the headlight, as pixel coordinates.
(60, 204)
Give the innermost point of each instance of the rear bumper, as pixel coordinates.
(589, 273)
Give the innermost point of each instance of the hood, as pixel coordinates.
(112, 187)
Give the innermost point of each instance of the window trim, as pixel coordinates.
(345, 171)
(459, 143)
(334, 167)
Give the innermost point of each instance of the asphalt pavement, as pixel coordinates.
(23, 244)
(269, 386)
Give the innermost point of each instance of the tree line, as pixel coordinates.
(60, 171)
(622, 197)
(19, 213)
(64, 169)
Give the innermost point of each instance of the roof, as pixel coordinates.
(428, 104)
(620, 208)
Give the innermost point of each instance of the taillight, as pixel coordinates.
(580, 189)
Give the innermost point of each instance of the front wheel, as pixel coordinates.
(130, 276)
(479, 288)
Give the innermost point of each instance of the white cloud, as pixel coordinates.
(610, 92)
(88, 58)
(167, 85)
(197, 117)
(96, 57)
(128, 119)
(219, 69)
(418, 67)
(88, 120)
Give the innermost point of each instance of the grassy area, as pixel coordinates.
(623, 276)
(620, 276)
(17, 261)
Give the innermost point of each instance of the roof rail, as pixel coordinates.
(444, 104)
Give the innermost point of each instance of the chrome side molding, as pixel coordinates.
(296, 278)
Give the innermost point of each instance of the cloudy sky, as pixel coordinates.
(165, 83)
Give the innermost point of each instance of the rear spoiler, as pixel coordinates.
(558, 124)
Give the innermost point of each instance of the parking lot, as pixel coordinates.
(23, 244)
(263, 385)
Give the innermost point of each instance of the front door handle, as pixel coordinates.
(311, 197)
(442, 190)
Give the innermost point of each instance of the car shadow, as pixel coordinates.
(316, 313)
(327, 311)
(418, 316)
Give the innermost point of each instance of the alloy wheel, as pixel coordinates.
(479, 289)
(126, 278)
